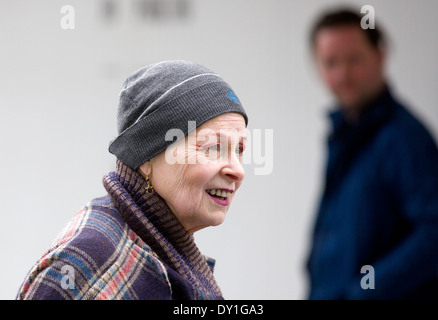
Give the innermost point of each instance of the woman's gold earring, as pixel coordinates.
(149, 187)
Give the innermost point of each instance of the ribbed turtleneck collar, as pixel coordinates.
(153, 206)
(151, 219)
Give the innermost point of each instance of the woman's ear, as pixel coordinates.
(145, 169)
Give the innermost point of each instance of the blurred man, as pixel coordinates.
(376, 232)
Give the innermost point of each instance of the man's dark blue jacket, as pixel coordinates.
(379, 208)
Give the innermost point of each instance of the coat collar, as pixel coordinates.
(375, 113)
(151, 219)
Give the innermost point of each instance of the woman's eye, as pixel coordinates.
(214, 150)
(240, 149)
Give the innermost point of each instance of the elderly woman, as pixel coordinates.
(181, 133)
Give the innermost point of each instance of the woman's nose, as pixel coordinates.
(234, 171)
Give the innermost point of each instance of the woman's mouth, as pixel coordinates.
(220, 196)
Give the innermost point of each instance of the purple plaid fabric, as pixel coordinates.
(125, 245)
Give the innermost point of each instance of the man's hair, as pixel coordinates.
(345, 17)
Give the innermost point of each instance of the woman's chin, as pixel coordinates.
(218, 218)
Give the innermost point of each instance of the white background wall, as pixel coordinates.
(58, 101)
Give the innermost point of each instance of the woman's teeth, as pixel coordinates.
(219, 193)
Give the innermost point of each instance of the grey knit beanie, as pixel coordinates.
(163, 96)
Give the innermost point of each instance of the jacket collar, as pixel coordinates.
(347, 140)
(375, 113)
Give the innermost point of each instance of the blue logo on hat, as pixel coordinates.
(232, 96)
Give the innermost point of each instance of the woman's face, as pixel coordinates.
(198, 176)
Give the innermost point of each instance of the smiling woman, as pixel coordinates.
(199, 193)
(137, 241)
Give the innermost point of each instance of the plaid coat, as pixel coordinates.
(125, 245)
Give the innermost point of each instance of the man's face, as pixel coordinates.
(349, 65)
